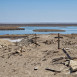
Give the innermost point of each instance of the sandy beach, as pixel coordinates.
(26, 58)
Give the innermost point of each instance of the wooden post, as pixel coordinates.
(58, 40)
(36, 44)
(35, 40)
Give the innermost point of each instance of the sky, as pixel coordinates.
(38, 11)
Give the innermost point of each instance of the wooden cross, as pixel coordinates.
(58, 40)
(35, 40)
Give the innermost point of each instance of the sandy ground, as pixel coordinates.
(41, 59)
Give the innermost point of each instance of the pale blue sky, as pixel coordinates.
(36, 11)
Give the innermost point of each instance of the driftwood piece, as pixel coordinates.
(69, 57)
(52, 70)
(57, 59)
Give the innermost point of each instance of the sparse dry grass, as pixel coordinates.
(48, 30)
(12, 36)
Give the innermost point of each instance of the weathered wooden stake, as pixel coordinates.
(35, 40)
(58, 40)
(21, 48)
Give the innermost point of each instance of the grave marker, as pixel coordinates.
(58, 40)
(35, 40)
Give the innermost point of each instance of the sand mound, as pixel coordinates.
(26, 42)
(5, 42)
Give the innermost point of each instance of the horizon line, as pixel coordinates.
(44, 23)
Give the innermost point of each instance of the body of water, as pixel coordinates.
(29, 30)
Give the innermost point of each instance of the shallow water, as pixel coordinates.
(29, 30)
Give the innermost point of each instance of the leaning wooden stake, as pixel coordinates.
(58, 40)
(36, 40)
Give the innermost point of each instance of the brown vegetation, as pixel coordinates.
(12, 36)
(10, 28)
(48, 30)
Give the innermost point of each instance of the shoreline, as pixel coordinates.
(17, 36)
(12, 40)
(13, 36)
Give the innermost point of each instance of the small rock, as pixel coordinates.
(73, 65)
(66, 70)
(18, 51)
(36, 68)
(67, 48)
(67, 63)
(47, 42)
(0, 46)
